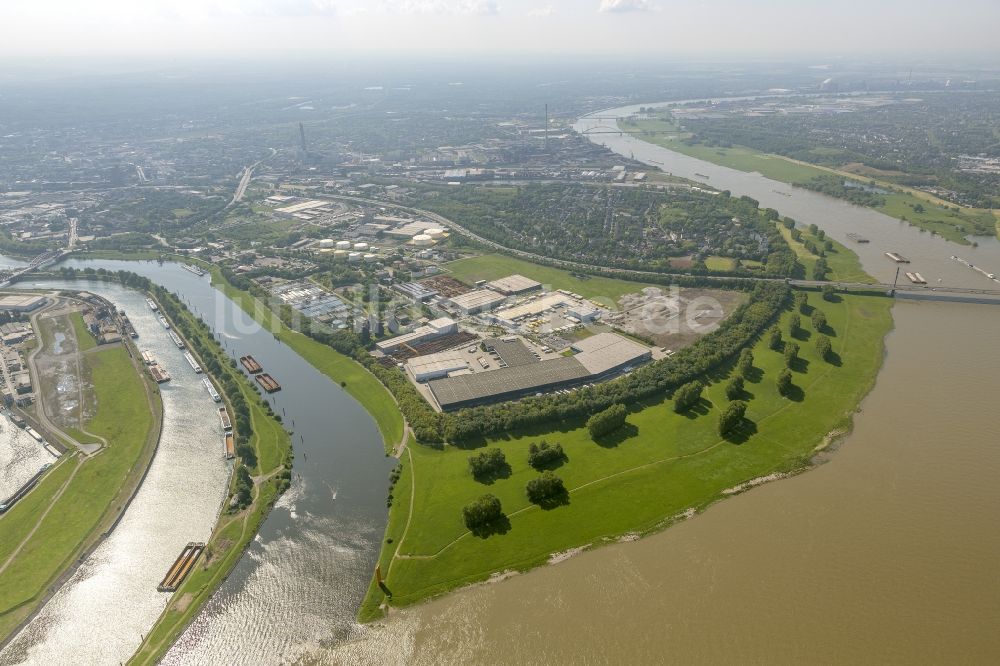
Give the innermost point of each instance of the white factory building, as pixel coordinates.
(441, 364)
(478, 300)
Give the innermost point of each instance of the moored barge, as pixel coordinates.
(268, 383)
(251, 364)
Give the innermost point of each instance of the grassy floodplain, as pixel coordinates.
(938, 216)
(659, 467)
(844, 264)
(89, 499)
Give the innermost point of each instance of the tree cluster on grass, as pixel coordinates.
(745, 363)
(734, 388)
(794, 325)
(820, 269)
(545, 488)
(732, 417)
(687, 396)
(243, 488)
(791, 353)
(488, 463)
(607, 421)
(482, 511)
(801, 301)
(829, 293)
(784, 381)
(818, 321)
(774, 338)
(824, 347)
(543, 453)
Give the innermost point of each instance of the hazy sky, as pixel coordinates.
(152, 27)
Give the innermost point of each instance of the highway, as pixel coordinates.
(245, 179)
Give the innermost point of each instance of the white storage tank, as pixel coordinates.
(343, 245)
(326, 242)
(354, 256)
(340, 254)
(435, 233)
(370, 257)
(422, 240)
(361, 247)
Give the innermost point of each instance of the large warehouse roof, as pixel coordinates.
(514, 284)
(608, 351)
(505, 384)
(478, 299)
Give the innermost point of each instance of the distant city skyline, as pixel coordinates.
(556, 27)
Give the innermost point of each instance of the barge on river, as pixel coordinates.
(229, 446)
(152, 304)
(227, 423)
(181, 568)
(211, 389)
(857, 238)
(160, 376)
(163, 322)
(148, 358)
(915, 278)
(898, 258)
(268, 383)
(177, 339)
(251, 364)
(194, 269)
(192, 362)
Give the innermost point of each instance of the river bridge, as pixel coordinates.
(41, 261)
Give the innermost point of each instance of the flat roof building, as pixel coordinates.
(505, 384)
(520, 374)
(441, 364)
(433, 329)
(609, 352)
(19, 303)
(415, 291)
(478, 300)
(514, 284)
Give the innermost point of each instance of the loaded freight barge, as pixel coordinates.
(229, 446)
(227, 424)
(898, 258)
(251, 364)
(176, 338)
(160, 375)
(211, 389)
(192, 362)
(268, 383)
(181, 568)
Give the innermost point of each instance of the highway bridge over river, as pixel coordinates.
(41, 261)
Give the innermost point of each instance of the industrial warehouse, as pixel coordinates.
(508, 369)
